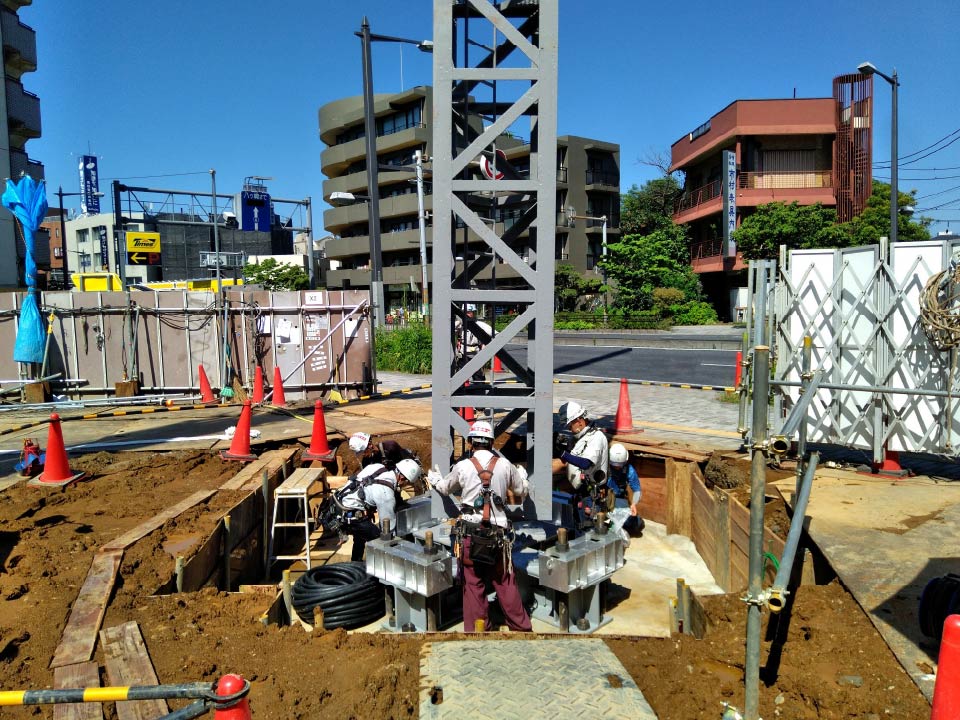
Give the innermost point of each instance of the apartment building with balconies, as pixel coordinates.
(804, 150)
(19, 122)
(588, 179)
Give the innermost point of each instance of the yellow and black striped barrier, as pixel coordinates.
(201, 690)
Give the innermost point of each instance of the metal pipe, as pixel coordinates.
(805, 368)
(758, 471)
(744, 387)
(865, 388)
(422, 216)
(780, 443)
(776, 597)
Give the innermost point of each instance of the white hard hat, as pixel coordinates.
(359, 442)
(618, 455)
(571, 411)
(481, 429)
(470, 307)
(409, 469)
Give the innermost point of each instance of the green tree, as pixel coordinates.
(794, 225)
(272, 275)
(571, 287)
(643, 210)
(641, 263)
(874, 222)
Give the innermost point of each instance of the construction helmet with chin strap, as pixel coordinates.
(481, 430)
(359, 442)
(618, 455)
(409, 469)
(571, 411)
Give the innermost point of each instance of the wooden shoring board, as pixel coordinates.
(250, 475)
(81, 675)
(665, 451)
(679, 489)
(80, 635)
(128, 663)
(148, 526)
(703, 525)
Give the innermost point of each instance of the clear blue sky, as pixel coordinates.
(179, 87)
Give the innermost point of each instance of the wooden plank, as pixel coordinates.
(721, 558)
(145, 528)
(697, 615)
(81, 675)
(678, 497)
(667, 451)
(128, 663)
(201, 566)
(652, 473)
(271, 461)
(80, 634)
(300, 481)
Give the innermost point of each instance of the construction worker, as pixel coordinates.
(585, 462)
(373, 493)
(386, 452)
(468, 344)
(483, 537)
(623, 488)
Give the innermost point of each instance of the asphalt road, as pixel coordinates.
(675, 365)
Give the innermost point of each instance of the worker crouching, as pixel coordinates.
(483, 535)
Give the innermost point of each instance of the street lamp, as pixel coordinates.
(370, 132)
(63, 232)
(868, 68)
(571, 217)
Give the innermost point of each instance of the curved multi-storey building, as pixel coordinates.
(588, 179)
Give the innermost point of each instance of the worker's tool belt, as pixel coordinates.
(488, 543)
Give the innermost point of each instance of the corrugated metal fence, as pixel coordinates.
(319, 339)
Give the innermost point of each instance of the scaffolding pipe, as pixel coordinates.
(758, 471)
(805, 376)
(780, 443)
(776, 598)
(744, 388)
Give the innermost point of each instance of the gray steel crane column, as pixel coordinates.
(530, 32)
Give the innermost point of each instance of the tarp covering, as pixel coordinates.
(27, 199)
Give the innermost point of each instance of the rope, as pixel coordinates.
(940, 319)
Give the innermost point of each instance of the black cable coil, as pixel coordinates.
(348, 596)
(940, 598)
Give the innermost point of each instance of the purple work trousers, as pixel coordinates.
(476, 578)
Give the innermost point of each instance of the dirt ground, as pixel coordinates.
(832, 665)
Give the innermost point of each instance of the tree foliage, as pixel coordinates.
(643, 210)
(272, 275)
(572, 288)
(641, 263)
(813, 226)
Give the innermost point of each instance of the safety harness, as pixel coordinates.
(488, 542)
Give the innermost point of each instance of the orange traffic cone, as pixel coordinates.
(319, 448)
(206, 394)
(229, 687)
(56, 468)
(946, 692)
(240, 445)
(623, 422)
(279, 399)
(258, 386)
(497, 365)
(467, 412)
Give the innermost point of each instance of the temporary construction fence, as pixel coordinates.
(880, 381)
(319, 339)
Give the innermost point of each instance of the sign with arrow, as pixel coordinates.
(143, 258)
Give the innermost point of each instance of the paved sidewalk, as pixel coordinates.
(692, 417)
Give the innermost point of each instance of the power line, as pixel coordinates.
(929, 147)
(942, 192)
(148, 177)
(918, 179)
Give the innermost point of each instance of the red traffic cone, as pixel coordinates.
(206, 394)
(240, 445)
(623, 423)
(946, 692)
(279, 399)
(258, 386)
(497, 365)
(319, 448)
(56, 468)
(233, 686)
(467, 412)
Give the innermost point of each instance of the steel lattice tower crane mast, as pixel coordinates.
(478, 100)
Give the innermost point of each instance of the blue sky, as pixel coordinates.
(172, 89)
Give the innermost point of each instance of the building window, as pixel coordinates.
(58, 252)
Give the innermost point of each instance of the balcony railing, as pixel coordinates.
(561, 174)
(21, 164)
(698, 196)
(706, 249)
(21, 38)
(23, 109)
(791, 180)
(602, 177)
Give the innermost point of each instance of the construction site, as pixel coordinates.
(167, 468)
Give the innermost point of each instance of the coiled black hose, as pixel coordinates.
(940, 598)
(348, 596)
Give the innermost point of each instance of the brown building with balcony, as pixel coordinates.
(19, 122)
(813, 150)
(588, 180)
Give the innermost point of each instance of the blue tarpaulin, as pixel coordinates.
(27, 199)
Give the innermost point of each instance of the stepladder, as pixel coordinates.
(291, 513)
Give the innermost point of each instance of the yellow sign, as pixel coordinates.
(147, 242)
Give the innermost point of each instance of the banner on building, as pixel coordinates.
(104, 248)
(729, 202)
(89, 185)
